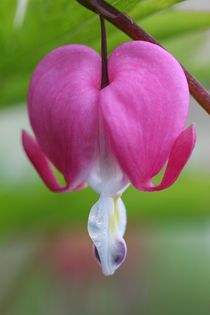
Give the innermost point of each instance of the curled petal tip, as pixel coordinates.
(41, 163)
(151, 99)
(62, 105)
(179, 155)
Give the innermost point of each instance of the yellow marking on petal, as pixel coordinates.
(112, 224)
(116, 209)
(115, 218)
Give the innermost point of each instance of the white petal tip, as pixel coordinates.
(106, 227)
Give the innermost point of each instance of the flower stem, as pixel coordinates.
(125, 24)
(104, 75)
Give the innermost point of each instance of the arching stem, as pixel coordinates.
(104, 74)
(127, 25)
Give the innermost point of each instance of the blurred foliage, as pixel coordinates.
(174, 23)
(171, 278)
(34, 206)
(179, 276)
(143, 8)
(166, 272)
(49, 24)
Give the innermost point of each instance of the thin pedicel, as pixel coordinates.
(125, 24)
(104, 140)
(104, 76)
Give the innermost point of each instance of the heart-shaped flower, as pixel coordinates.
(112, 137)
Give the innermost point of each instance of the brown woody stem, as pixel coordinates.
(125, 24)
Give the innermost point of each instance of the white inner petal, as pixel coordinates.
(106, 176)
(106, 227)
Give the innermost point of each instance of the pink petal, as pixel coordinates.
(42, 165)
(144, 108)
(178, 157)
(63, 112)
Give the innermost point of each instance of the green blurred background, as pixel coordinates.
(46, 261)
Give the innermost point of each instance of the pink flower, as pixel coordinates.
(111, 137)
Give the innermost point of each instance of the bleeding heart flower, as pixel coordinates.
(111, 137)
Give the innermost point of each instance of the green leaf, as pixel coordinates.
(191, 50)
(174, 23)
(146, 7)
(46, 25)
